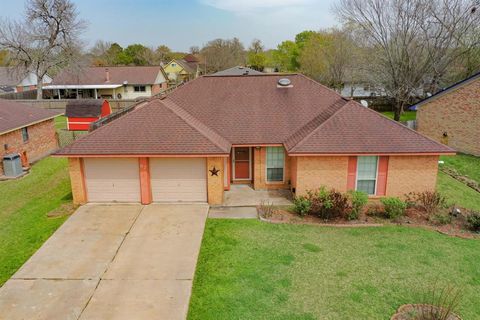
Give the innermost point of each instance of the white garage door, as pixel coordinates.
(180, 179)
(112, 179)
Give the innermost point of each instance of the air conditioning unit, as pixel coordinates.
(12, 165)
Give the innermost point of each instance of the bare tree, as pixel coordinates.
(45, 41)
(223, 53)
(411, 42)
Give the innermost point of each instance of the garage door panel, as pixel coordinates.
(175, 180)
(112, 179)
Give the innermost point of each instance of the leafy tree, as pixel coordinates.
(3, 57)
(303, 37)
(221, 54)
(256, 57)
(285, 57)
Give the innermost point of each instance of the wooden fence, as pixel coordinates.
(60, 105)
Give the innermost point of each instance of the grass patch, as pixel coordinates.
(457, 192)
(464, 164)
(406, 116)
(253, 270)
(24, 206)
(60, 123)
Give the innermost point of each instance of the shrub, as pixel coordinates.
(430, 201)
(394, 207)
(441, 303)
(266, 209)
(358, 200)
(326, 204)
(302, 205)
(473, 221)
(441, 218)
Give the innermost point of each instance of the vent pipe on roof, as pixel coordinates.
(284, 83)
(107, 75)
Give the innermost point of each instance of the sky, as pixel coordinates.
(181, 24)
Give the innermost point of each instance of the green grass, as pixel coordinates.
(458, 193)
(406, 116)
(60, 122)
(464, 164)
(24, 205)
(253, 270)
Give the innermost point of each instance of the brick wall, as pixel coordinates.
(458, 114)
(260, 171)
(411, 174)
(75, 167)
(313, 172)
(215, 184)
(42, 141)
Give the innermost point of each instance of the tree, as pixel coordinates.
(413, 42)
(285, 56)
(194, 50)
(256, 57)
(46, 40)
(3, 57)
(221, 54)
(326, 56)
(303, 37)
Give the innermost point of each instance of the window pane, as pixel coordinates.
(367, 168)
(275, 163)
(367, 186)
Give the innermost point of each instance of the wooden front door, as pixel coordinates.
(241, 158)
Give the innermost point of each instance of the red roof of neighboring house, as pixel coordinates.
(117, 75)
(209, 114)
(14, 115)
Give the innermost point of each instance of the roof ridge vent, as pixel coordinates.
(284, 83)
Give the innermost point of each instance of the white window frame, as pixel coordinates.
(376, 175)
(266, 166)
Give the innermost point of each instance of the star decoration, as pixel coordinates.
(214, 171)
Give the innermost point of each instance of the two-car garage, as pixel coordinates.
(171, 179)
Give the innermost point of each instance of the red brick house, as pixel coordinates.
(452, 116)
(26, 130)
(268, 131)
(81, 113)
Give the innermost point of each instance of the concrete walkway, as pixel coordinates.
(111, 262)
(241, 195)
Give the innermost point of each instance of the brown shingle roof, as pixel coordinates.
(84, 108)
(208, 115)
(14, 115)
(153, 129)
(118, 75)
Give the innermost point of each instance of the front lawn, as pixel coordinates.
(253, 270)
(24, 205)
(406, 116)
(458, 193)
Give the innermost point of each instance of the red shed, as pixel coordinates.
(80, 113)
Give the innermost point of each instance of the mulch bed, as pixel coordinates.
(413, 217)
(414, 312)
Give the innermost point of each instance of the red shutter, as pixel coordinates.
(382, 176)
(352, 173)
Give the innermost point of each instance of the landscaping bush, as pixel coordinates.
(430, 201)
(267, 209)
(394, 207)
(302, 205)
(358, 200)
(473, 221)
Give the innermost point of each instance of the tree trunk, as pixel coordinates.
(39, 89)
(398, 111)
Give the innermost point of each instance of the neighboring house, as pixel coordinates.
(268, 131)
(81, 113)
(108, 83)
(237, 71)
(12, 81)
(185, 69)
(26, 130)
(452, 116)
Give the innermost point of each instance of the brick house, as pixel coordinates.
(452, 116)
(26, 130)
(267, 131)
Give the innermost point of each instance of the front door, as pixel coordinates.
(241, 158)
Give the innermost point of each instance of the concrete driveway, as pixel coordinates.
(111, 262)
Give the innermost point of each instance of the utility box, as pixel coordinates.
(12, 165)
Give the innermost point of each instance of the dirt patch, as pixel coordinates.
(419, 312)
(63, 210)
